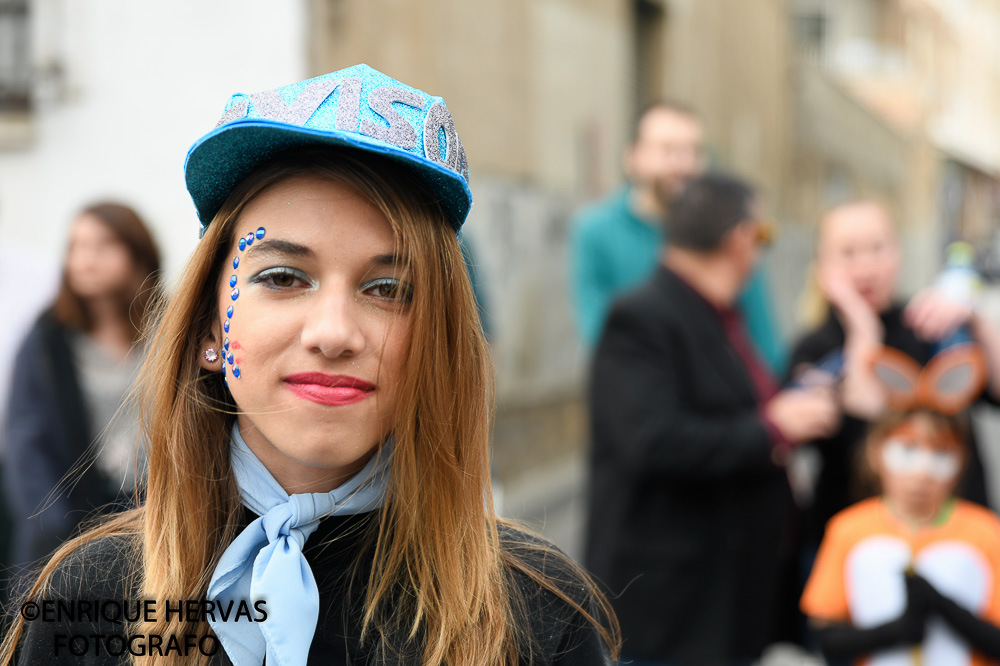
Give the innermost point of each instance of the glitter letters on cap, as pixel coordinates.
(358, 107)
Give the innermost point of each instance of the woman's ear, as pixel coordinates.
(210, 354)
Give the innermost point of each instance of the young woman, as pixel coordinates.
(911, 577)
(71, 376)
(318, 396)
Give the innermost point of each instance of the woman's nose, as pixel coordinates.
(333, 328)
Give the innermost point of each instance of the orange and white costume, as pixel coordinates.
(858, 575)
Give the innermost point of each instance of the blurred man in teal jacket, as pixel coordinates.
(615, 243)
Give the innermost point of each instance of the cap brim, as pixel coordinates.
(228, 154)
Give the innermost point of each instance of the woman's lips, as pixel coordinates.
(330, 390)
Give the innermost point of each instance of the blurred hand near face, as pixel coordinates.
(862, 395)
(857, 314)
(933, 316)
(803, 415)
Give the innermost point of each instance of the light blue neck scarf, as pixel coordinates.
(265, 561)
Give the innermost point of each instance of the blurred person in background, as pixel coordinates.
(910, 577)
(20, 306)
(71, 375)
(689, 432)
(857, 268)
(615, 243)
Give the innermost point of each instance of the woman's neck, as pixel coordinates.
(292, 475)
(109, 329)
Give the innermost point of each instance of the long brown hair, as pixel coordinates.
(437, 547)
(71, 310)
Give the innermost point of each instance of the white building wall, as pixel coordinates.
(140, 82)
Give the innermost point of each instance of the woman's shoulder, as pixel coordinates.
(814, 344)
(555, 599)
(83, 601)
(977, 521)
(533, 553)
(858, 520)
(100, 569)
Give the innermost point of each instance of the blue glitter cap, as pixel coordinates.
(358, 107)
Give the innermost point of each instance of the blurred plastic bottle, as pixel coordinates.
(961, 283)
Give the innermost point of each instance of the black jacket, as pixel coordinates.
(48, 431)
(687, 509)
(338, 552)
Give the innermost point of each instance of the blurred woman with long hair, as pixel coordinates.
(70, 378)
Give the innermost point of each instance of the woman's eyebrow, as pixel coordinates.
(280, 247)
(387, 260)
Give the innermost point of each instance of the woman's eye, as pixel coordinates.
(281, 278)
(390, 289)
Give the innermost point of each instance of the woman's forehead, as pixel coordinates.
(856, 222)
(312, 211)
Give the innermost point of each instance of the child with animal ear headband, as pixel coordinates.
(913, 576)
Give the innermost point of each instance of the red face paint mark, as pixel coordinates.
(235, 345)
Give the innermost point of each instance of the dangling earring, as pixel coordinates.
(211, 355)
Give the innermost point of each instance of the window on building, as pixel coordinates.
(810, 26)
(650, 23)
(15, 60)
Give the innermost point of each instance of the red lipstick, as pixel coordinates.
(333, 390)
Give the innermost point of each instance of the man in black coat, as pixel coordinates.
(688, 494)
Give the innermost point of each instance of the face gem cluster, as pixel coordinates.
(227, 354)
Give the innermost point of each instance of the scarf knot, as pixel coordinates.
(265, 562)
(294, 517)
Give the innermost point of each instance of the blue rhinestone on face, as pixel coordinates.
(223, 369)
(230, 358)
(243, 244)
(234, 294)
(250, 238)
(236, 263)
(225, 326)
(236, 371)
(232, 281)
(229, 312)
(225, 344)
(260, 232)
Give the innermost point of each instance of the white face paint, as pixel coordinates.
(905, 458)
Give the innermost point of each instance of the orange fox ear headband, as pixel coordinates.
(949, 382)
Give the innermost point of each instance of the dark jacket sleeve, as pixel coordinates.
(581, 645)
(561, 633)
(35, 460)
(97, 573)
(641, 416)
